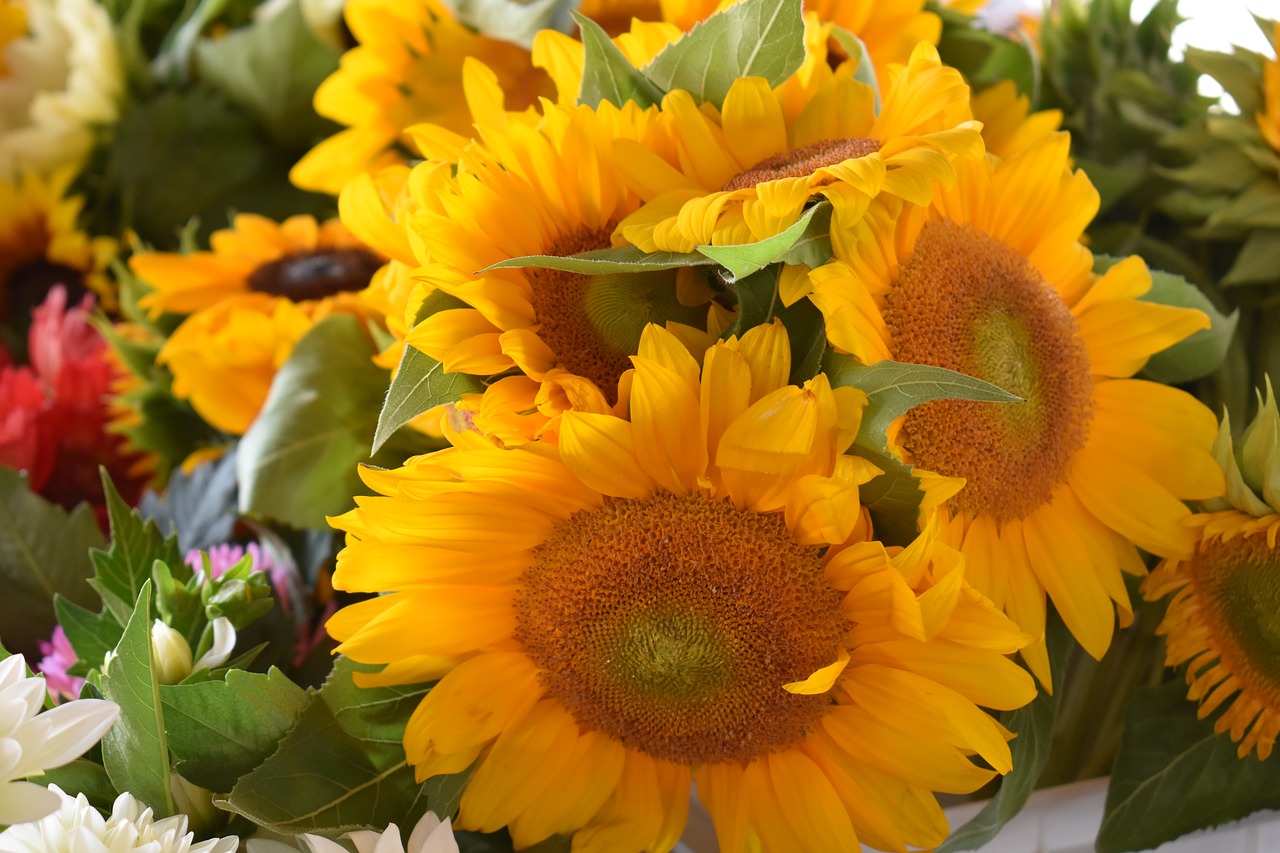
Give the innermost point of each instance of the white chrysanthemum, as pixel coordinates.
(77, 827)
(58, 81)
(431, 835)
(32, 742)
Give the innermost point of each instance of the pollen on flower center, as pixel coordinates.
(315, 275)
(1238, 587)
(671, 623)
(966, 301)
(803, 161)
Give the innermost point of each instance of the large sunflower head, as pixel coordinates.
(747, 171)
(990, 279)
(1008, 125)
(250, 298)
(41, 246)
(550, 189)
(1222, 619)
(688, 595)
(1269, 116)
(406, 69)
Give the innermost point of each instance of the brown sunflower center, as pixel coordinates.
(29, 283)
(966, 301)
(1238, 586)
(802, 161)
(593, 323)
(315, 275)
(671, 623)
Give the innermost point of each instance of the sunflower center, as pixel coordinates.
(966, 301)
(30, 282)
(671, 623)
(314, 275)
(803, 161)
(1238, 582)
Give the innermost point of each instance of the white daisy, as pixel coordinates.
(431, 835)
(32, 742)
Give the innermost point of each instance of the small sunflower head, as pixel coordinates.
(1252, 465)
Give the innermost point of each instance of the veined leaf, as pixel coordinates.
(124, 568)
(604, 261)
(135, 751)
(744, 259)
(754, 38)
(342, 766)
(893, 498)
(893, 389)
(607, 75)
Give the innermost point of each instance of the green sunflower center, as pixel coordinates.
(965, 301)
(671, 623)
(1238, 586)
(803, 161)
(314, 275)
(593, 323)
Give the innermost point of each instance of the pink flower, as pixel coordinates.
(59, 656)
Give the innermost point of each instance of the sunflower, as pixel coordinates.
(406, 69)
(747, 173)
(250, 299)
(689, 596)
(1008, 125)
(41, 245)
(547, 190)
(563, 56)
(991, 280)
(1221, 621)
(1268, 117)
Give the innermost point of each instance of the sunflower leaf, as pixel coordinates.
(135, 750)
(603, 261)
(893, 389)
(893, 498)
(1033, 725)
(43, 551)
(856, 49)
(754, 38)
(743, 259)
(607, 75)
(1174, 775)
(342, 766)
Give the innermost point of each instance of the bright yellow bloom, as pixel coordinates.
(250, 299)
(1008, 125)
(686, 596)
(40, 246)
(991, 280)
(1269, 117)
(406, 69)
(552, 189)
(748, 173)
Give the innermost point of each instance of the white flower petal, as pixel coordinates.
(224, 640)
(22, 802)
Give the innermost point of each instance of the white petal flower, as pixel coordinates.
(431, 835)
(76, 827)
(224, 640)
(33, 742)
(57, 81)
(170, 654)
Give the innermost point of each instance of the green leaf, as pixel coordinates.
(893, 389)
(604, 261)
(272, 68)
(856, 49)
(343, 767)
(754, 38)
(807, 333)
(125, 567)
(514, 21)
(91, 634)
(1258, 261)
(81, 776)
(1174, 775)
(1033, 725)
(892, 498)
(758, 300)
(221, 730)
(200, 506)
(607, 75)
(135, 751)
(298, 462)
(43, 551)
(813, 249)
(420, 382)
(746, 258)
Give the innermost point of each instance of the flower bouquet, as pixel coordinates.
(438, 425)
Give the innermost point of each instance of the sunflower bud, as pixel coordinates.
(1252, 465)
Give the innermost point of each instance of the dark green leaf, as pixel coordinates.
(1174, 775)
(43, 551)
(298, 462)
(747, 258)
(135, 751)
(807, 332)
(272, 68)
(758, 300)
(125, 567)
(221, 730)
(82, 777)
(343, 767)
(893, 389)
(607, 75)
(602, 261)
(1258, 261)
(754, 38)
(91, 634)
(892, 498)
(1033, 725)
(813, 249)
(200, 507)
